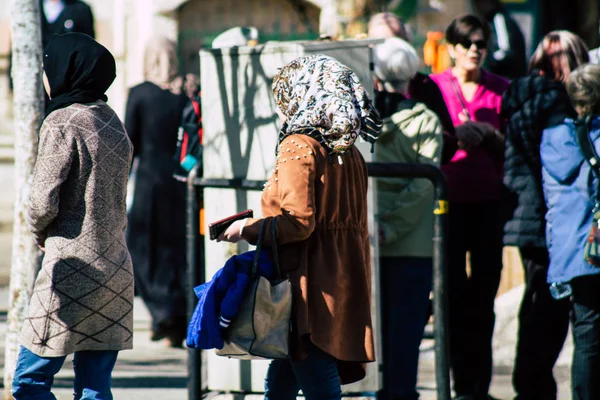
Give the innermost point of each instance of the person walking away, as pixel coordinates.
(411, 133)
(474, 175)
(317, 197)
(530, 105)
(82, 300)
(506, 49)
(570, 189)
(156, 233)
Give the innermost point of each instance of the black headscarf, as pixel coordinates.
(79, 70)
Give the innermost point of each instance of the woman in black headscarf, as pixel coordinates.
(77, 69)
(156, 229)
(82, 300)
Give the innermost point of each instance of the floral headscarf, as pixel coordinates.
(323, 98)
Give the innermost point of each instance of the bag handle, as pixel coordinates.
(274, 251)
(259, 243)
(586, 145)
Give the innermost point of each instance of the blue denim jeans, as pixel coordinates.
(34, 375)
(585, 369)
(405, 287)
(317, 376)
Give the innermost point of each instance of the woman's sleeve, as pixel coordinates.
(295, 177)
(55, 155)
(132, 120)
(434, 100)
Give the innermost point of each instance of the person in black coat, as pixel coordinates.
(59, 17)
(65, 16)
(530, 105)
(156, 229)
(506, 49)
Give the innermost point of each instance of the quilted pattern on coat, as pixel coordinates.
(83, 295)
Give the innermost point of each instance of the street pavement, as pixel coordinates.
(150, 371)
(153, 371)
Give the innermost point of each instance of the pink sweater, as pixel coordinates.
(474, 176)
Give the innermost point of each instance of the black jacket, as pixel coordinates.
(76, 17)
(423, 89)
(530, 105)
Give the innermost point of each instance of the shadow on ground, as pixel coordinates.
(138, 382)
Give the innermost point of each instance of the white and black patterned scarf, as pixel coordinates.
(323, 98)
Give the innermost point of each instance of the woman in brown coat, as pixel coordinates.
(317, 197)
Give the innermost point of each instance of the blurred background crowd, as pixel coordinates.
(156, 44)
(126, 26)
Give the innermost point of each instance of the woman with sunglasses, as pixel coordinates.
(474, 175)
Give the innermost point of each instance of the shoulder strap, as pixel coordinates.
(586, 145)
(462, 103)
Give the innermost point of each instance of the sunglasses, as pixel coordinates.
(467, 43)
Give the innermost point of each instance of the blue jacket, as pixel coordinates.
(220, 299)
(569, 189)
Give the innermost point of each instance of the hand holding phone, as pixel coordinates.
(216, 228)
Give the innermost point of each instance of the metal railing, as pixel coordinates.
(196, 267)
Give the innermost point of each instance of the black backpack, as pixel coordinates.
(189, 140)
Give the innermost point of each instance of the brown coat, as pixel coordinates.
(320, 208)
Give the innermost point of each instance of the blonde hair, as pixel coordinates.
(396, 63)
(161, 65)
(385, 25)
(559, 53)
(583, 86)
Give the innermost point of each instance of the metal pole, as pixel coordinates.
(440, 289)
(195, 273)
(440, 282)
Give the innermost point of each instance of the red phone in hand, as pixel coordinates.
(218, 227)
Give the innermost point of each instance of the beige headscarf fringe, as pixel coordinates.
(161, 65)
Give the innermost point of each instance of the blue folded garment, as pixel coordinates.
(220, 300)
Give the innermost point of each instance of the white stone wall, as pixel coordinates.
(5, 98)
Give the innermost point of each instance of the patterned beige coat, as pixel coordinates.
(83, 296)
